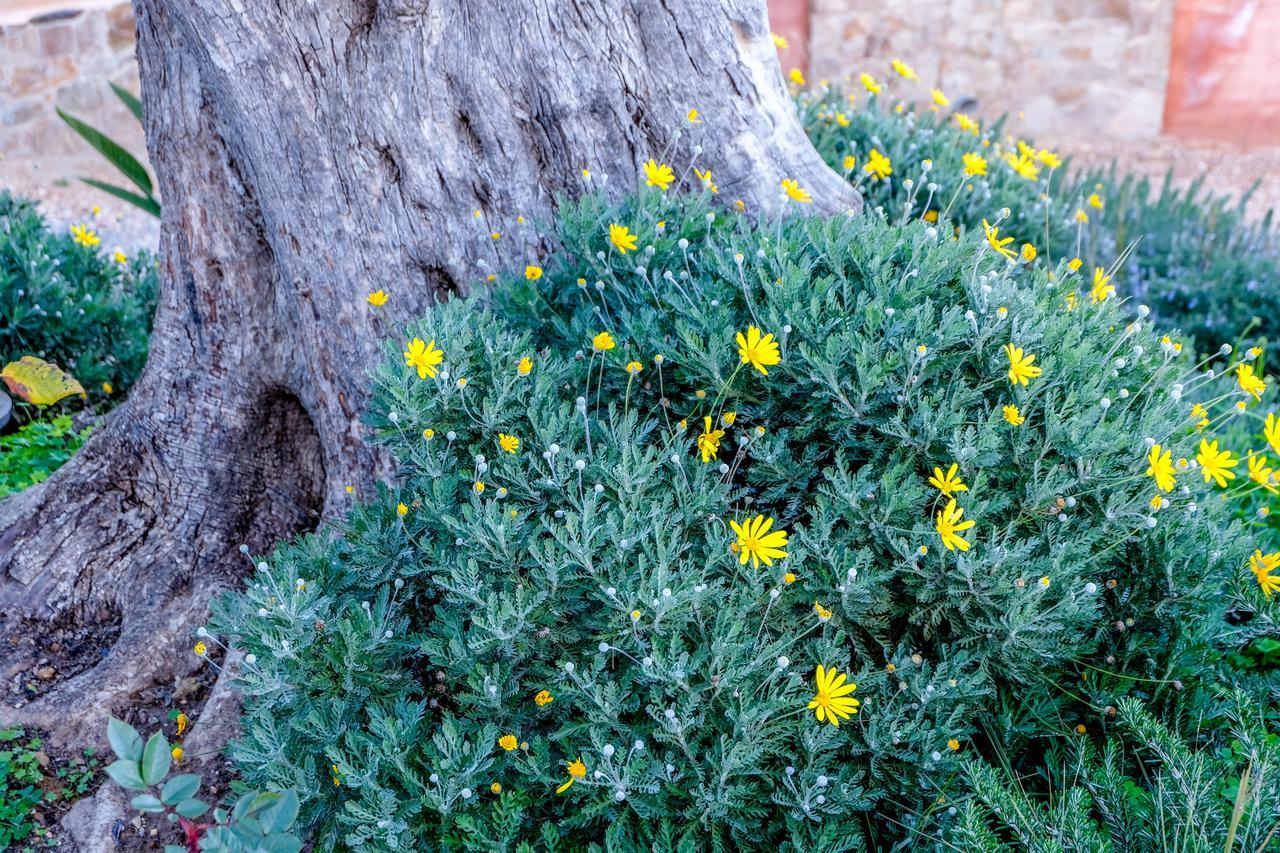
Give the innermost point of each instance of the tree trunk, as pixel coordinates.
(308, 153)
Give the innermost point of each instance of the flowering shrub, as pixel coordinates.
(1192, 255)
(722, 533)
(61, 300)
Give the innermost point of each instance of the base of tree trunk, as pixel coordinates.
(308, 154)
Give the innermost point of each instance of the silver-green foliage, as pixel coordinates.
(596, 563)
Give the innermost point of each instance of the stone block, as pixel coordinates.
(42, 76)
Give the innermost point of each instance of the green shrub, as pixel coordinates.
(1197, 260)
(1211, 792)
(64, 302)
(37, 449)
(394, 672)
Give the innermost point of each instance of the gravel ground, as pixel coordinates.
(66, 201)
(1228, 168)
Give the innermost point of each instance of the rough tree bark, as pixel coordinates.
(309, 151)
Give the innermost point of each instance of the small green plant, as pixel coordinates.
(117, 156)
(37, 449)
(256, 823)
(63, 301)
(20, 793)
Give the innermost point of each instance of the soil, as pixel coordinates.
(69, 651)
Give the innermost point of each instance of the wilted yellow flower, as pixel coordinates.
(1028, 252)
(1074, 264)
(634, 367)
(525, 366)
(693, 117)
(543, 698)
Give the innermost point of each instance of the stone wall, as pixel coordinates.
(64, 59)
(1079, 68)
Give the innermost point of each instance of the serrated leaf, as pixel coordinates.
(180, 787)
(127, 775)
(147, 803)
(125, 741)
(37, 381)
(155, 759)
(191, 808)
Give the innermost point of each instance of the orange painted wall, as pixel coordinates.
(1222, 71)
(790, 19)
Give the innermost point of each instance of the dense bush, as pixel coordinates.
(566, 627)
(1193, 255)
(62, 300)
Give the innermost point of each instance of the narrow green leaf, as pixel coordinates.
(112, 150)
(130, 100)
(125, 740)
(155, 759)
(150, 205)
